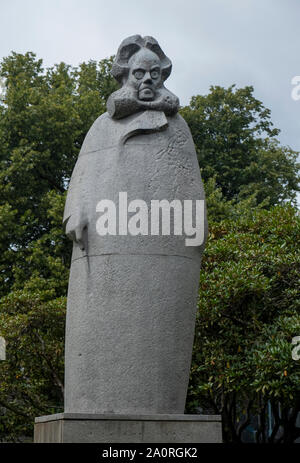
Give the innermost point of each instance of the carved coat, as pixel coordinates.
(131, 299)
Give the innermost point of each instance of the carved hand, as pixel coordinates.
(74, 229)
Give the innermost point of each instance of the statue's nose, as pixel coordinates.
(147, 78)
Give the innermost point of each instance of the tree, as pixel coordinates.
(31, 380)
(235, 142)
(248, 315)
(44, 117)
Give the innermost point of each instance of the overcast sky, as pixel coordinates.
(211, 42)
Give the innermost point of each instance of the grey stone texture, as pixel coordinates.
(82, 428)
(132, 299)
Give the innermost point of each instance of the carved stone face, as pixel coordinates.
(145, 74)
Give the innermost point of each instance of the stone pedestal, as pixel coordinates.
(94, 428)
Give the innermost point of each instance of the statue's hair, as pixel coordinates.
(129, 47)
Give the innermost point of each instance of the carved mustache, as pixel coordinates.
(144, 86)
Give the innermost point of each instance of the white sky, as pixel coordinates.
(210, 42)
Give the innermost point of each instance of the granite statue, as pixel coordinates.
(132, 298)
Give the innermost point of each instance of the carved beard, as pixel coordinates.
(127, 101)
(146, 94)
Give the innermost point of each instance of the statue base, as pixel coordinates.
(96, 428)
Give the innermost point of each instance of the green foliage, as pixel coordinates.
(31, 380)
(44, 118)
(236, 143)
(249, 311)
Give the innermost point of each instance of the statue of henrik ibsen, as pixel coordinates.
(132, 297)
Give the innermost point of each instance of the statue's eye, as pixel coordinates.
(154, 74)
(139, 74)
